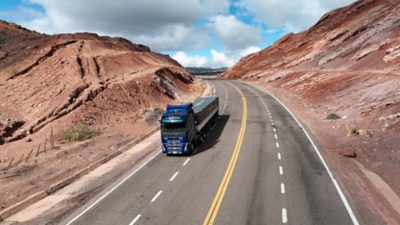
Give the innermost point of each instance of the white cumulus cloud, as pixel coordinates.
(188, 61)
(234, 34)
(163, 25)
(218, 58)
(292, 15)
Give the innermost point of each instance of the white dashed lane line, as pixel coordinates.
(136, 219)
(282, 188)
(284, 215)
(186, 162)
(284, 211)
(156, 196)
(226, 99)
(173, 176)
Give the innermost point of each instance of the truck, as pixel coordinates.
(184, 127)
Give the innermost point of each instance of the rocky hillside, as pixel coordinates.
(71, 78)
(363, 36)
(346, 65)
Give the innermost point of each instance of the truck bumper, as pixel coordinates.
(175, 149)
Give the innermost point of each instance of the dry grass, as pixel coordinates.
(79, 133)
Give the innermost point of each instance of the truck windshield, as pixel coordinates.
(173, 128)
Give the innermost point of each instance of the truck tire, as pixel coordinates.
(192, 147)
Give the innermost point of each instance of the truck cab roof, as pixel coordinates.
(176, 113)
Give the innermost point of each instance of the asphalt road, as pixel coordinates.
(256, 167)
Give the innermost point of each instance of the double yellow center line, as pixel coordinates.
(213, 211)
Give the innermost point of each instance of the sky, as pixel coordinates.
(197, 33)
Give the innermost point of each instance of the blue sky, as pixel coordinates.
(207, 33)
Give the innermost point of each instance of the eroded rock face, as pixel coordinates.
(347, 63)
(7, 127)
(364, 35)
(80, 77)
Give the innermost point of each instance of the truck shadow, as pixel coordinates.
(214, 135)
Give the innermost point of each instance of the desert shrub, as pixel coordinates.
(353, 131)
(79, 133)
(332, 116)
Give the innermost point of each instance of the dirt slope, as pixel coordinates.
(79, 77)
(347, 63)
(57, 82)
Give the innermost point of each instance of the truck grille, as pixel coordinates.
(174, 147)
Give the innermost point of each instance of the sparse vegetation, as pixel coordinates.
(332, 116)
(353, 131)
(79, 133)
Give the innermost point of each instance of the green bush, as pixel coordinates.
(332, 116)
(79, 133)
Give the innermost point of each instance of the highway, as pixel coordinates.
(257, 166)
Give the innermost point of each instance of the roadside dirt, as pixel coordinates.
(51, 84)
(54, 165)
(54, 208)
(372, 198)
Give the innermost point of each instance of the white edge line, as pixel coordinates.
(213, 92)
(156, 196)
(339, 190)
(226, 97)
(136, 219)
(186, 162)
(114, 188)
(173, 176)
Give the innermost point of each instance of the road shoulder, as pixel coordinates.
(54, 208)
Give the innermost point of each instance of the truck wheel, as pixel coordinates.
(200, 139)
(191, 148)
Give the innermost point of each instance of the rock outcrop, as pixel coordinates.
(348, 63)
(79, 77)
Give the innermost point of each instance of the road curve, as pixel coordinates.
(257, 166)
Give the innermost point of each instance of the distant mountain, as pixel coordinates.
(205, 70)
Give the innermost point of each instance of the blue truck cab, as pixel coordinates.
(183, 127)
